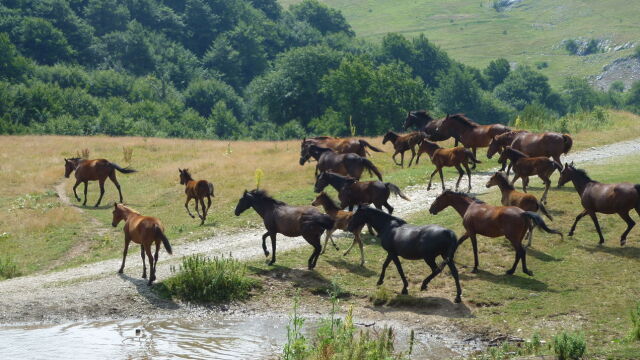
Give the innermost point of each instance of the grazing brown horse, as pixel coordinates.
(342, 219)
(354, 193)
(91, 170)
(548, 144)
(479, 218)
(197, 190)
(421, 120)
(453, 157)
(280, 218)
(471, 134)
(525, 166)
(341, 146)
(402, 143)
(143, 230)
(345, 164)
(602, 198)
(511, 197)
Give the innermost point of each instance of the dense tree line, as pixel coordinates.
(242, 69)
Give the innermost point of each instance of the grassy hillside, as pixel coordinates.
(530, 32)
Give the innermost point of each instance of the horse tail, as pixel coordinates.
(568, 142)
(471, 156)
(125, 170)
(538, 221)
(637, 187)
(365, 144)
(164, 239)
(211, 189)
(451, 250)
(396, 190)
(371, 167)
(544, 210)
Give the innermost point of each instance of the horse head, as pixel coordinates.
(69, 166)
(566, 174)
(440, 203)
(244, 203)
(118, 214)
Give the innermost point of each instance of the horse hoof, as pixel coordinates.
(530, 273)
(405, 292)
(457, 300)
(570, 233)
(120, 271)
(423, 288)
(509, 272)
(271, 263)
(623, 242)
(474, 271)
(379, 283)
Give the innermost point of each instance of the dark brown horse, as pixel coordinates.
(143, 230)
(479, 218)
(91, 170)
(499, 142)
(602, 198)
(422, 121)
(402, 143)
(280, 218)
(525, 166)
(197, 190)
(453, 157)
(471, 134)
(548, 144)
(345, 164)
(341, 219)
(341, 146)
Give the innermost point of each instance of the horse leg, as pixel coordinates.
(402, 159)
(384, 268)
(198, 211)
(388, 206)
(326, 241)
(315, 242)
(515, 177)
(186, 206)
(473, 149)
(547, 185)
(594, 217)
(530, 236)
(157, 254)
(204, 211)
(273, 249)
(144, 265)
(431, 178)
(208, 203)
(525, 183)
(580, 216)
(101, 183)
(114, 180)
(86, 183)
(152, 267)
(523, 257)
(124, 253)
(630, 225)
(360, 245)
(393, 157)
(413, 154)
(466, 166)
(441, 178)
(460, 173)
(418, 156)
(264, 244)
(508, 168)
(517, 248)
(454, 273)
(74, 190)
(434, 272)
(474, 244)
(405, 283)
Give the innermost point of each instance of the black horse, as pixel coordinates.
(421, 120)
(412, 243)
(278, 217)
(344, 164)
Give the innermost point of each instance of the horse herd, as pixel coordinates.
(340, 164)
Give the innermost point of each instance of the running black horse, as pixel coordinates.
(422, 121)
(344, 164)
(411, 242)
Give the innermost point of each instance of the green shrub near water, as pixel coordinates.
(568, 346)
(210, 280)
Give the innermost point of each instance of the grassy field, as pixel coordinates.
(38, 233)
(531, 32)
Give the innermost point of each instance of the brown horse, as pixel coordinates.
(453, 157)
(471, 134)
(143, 230)
(421, 120)
(511, 197)
(479, 218)
(91, 170)
(280, 218)
(525, 166)
(602, 198)
(402, 143)
(345, 164)
(197, 190)
(342, 219)
(499, 142)
(341, 146)
(548, 144)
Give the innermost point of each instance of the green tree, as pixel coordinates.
(271, 8)
(523, 86)
(43, 42)
(579, 94)
(106, 15)
(13, 66)
(202, 24)
(633, 98)
(202, 95)
(458, 92)
(496, 72)
(225, 124)
(320, 16)
(428, 60)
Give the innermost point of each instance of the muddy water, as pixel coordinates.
(207, 338)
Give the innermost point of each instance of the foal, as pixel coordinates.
(525, 166)
(143, 230)
(197, 190)
(91, 170)
(402, 143)
(453, 157)
(342, 219)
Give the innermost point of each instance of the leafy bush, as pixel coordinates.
(8, 269)
(571, 46)
(569, 346)
(210, 280)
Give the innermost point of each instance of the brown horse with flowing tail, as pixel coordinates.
(548, 144)
(197, 190)
(91, 170)
(346, 164)
(479, 218)
(280, 218)
(602, 198)
(471, 134)
(453, 157)
(341, 146)
(525, 166)
(402, 143)
(143, 230)
(422, 121)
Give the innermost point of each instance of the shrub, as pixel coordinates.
(569, 346)
(635, 321)
(210, 280)
(571, 46)
(8, 269)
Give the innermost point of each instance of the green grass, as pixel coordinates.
(474, 33)
(569, 346)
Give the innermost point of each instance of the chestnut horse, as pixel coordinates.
(341, 146)
(280, 218)
(511, 197)
(548, 144)
(471, 134)
(143, 230)
(91, 170)
(453, 157)
(602, 198)
(345, 164)
(525, 166)
(197, 190)
(479, 218)
(422, 121)
(342, 219)
(402, 143)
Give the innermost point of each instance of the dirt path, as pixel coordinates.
(95, 290)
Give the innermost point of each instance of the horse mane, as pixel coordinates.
(377, 211)
(422, 113)
(319, 148)
(475, 199)
(130, 209)
(583, 173)
(187, 174)
(263, 195)
(331, 203)
(505, 181)
(513, 151)
(462, 119)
